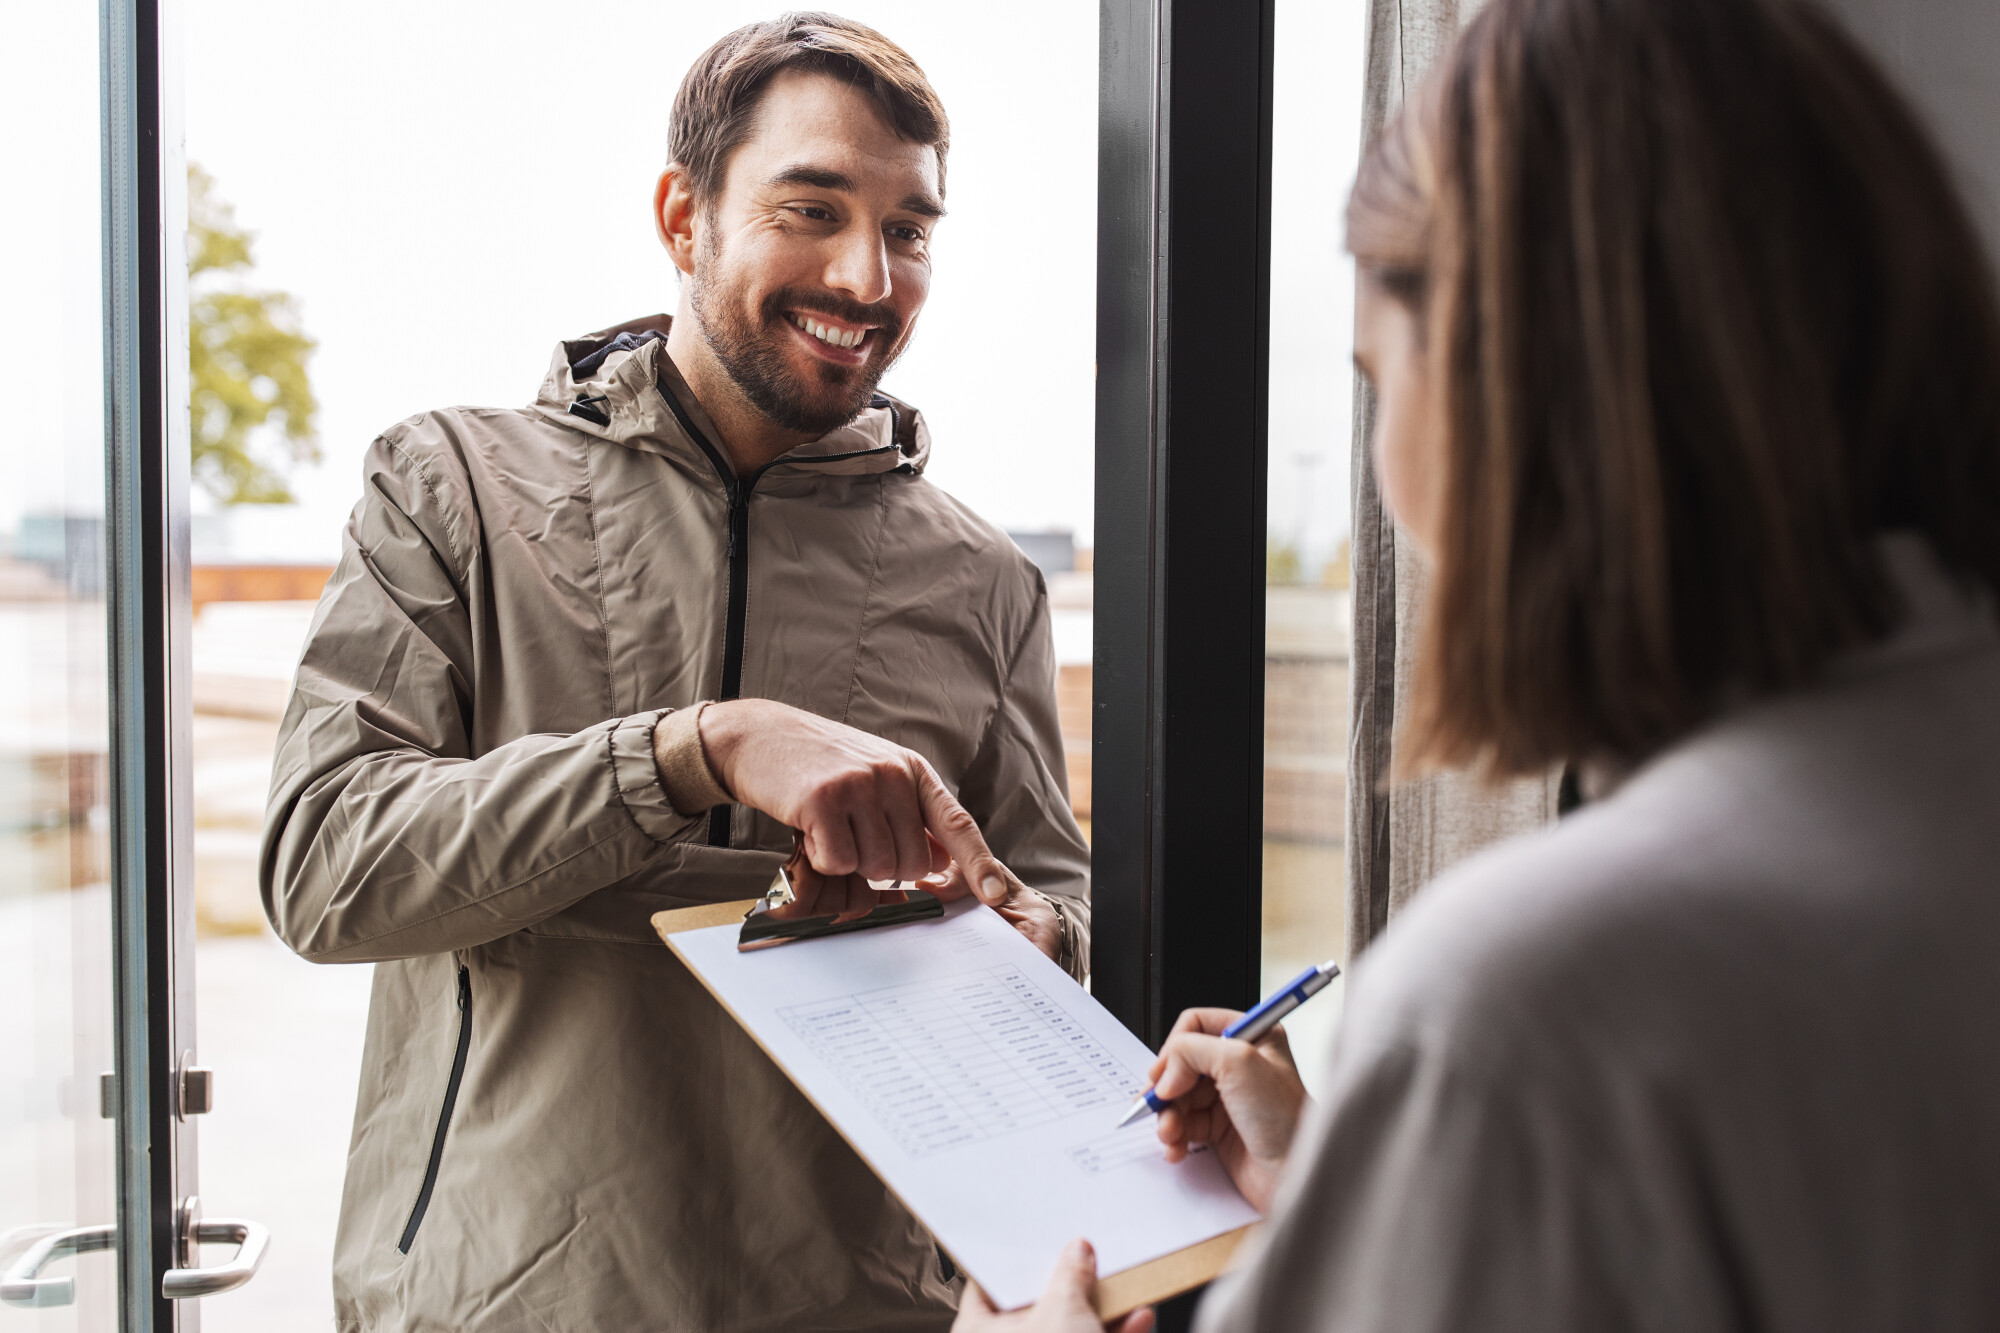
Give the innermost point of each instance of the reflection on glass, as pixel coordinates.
(56, 1149)
(1315, 143)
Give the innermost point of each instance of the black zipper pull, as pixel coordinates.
(586, 406)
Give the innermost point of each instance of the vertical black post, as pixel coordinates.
(1184, 191)
(146, 579)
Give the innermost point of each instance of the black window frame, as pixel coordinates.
(1183, 328)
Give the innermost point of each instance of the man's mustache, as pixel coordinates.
(781, 304)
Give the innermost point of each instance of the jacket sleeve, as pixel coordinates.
(1017, 787)
(385, 835)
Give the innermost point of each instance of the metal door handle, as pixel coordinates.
(250, 1238)
(24, 1287)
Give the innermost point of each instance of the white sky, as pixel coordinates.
(450, 188)
(51, 320)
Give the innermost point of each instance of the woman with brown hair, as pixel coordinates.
(1688, 360)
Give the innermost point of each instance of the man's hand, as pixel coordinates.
(1030, 912)
(1065, 1305)
(1241, 1098)
(862, 805)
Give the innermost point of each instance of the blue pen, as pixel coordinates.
(1253, 1026)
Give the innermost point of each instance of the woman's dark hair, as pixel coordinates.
(1704, 315)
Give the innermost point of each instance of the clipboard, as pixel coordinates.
(1118, 1292)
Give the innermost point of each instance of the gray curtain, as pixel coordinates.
(1399, 838)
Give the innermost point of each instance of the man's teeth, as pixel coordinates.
(837, 337)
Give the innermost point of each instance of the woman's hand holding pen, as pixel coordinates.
(1243, 1099)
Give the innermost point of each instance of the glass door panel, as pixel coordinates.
(1315, 141)
(57, 1149)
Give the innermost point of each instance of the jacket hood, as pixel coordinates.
(611, 384)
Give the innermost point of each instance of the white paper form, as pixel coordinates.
(981, 1083)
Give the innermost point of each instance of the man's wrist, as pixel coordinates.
(722, 729)
(689, 780)
(1065, 934)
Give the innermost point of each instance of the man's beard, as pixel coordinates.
(750, 351)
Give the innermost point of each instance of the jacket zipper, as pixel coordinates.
(444, 1116)
(738, 490)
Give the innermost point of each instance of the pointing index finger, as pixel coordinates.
(958, 833)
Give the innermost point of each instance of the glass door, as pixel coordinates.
(100, 1224)
(1315, 144)
(58, 1151)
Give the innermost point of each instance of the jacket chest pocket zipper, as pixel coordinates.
(444, 1115)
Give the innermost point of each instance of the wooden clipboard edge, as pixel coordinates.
(698, 918)
(1118, 1293)
(1169, 1275)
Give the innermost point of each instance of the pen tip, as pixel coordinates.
(1139, 1108)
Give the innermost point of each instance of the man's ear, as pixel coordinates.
(675, 217)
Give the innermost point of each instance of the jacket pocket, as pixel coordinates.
(444, 1115)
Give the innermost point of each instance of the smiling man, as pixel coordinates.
(622, 650)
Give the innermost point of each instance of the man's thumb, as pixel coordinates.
(1073, 1285)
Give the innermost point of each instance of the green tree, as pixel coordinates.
(246, 361)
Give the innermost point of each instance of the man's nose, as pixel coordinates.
(859, 266)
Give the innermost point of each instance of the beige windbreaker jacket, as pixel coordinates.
(557, 1128)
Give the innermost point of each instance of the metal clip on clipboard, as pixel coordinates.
(779, 918)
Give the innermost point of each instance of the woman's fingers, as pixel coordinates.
(1068, 1303)
(1212, 1022)
(1188, 1057)
(1279, 1043)
(1073, 1285)
(1180, 1128)
(1172, 1129)
(1243, 1098)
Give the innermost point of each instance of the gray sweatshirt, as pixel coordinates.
(1721, 1051)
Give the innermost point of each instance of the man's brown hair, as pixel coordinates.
(717, 102)
(1704, 316)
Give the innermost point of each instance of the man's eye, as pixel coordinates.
(908, 234)
(816, 213)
